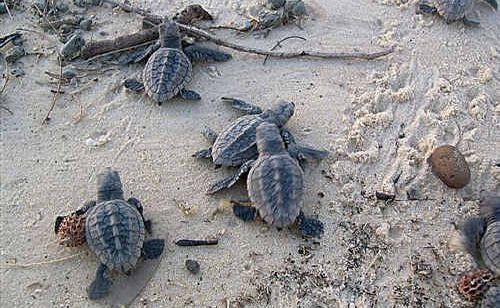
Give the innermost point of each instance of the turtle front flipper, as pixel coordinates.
(242, 105)
(138, 205)
(493, 3)
(133, 85)
(148, 52)
(470, 22)
(189, 95)
(230, 180)
(309, 227)
(205, 153)
(301, 153)
(99, 288)
(153, 249)
(472, 231)
(244, 212)
(200, 53)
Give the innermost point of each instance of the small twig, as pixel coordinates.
(7, 8)
(7, 266)
(278, 44)
(56, 94)
(196, 242)
(304, 53)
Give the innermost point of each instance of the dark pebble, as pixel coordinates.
(73, 46)
(14, 54)
(86, 24)
(193, 266)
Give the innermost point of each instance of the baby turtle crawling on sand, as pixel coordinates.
(275, 185)
(169, 70)
(481, 238)
(236, 145)
(451, 10)
(115, 231)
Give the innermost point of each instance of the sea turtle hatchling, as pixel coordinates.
(481, 238)
(168, 70)
(236, 146)
(115, 231)
(275, 185)
(451, 10)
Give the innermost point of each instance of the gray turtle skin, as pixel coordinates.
(491, 298)
(168, 69)
(482, 235)
(275, 184)
(452, 10)
(115, 231)
(236, 145)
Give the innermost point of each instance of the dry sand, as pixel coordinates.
(379, 119)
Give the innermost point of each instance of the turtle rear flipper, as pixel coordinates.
(472, 231)
(189, 95)
(153, 249)
(309, 227)
(99, 288)
(242, 105)
(230, 180)
(200, 53)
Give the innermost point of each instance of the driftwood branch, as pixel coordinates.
(156, 19)
(122, 42)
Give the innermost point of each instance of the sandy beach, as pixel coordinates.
(379, 119)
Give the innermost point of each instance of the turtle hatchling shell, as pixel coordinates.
(167, 71)
(490, 247)
(115, 232)
(491, 298)
(448, 164)
(275, 186)
(237, 142)
(453, 10)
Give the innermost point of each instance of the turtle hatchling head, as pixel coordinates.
(169, 35)
(109, 186)
(269, 139)
(282, 112)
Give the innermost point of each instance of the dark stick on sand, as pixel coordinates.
(196, 242)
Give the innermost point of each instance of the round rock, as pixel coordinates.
(193, 266)
(449, 165)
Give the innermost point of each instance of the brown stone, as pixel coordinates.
(449, 165)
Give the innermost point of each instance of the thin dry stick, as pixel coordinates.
(56, 94)
(7, 8)
(278, 44)
(7, 266)
(201, 33)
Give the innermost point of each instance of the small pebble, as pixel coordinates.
(73, 46)
(449, 165)
(86, 24)
(62, 6)
(14, 54)
(193, 266)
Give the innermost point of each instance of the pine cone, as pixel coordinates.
(71, 230)
(474, 284)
